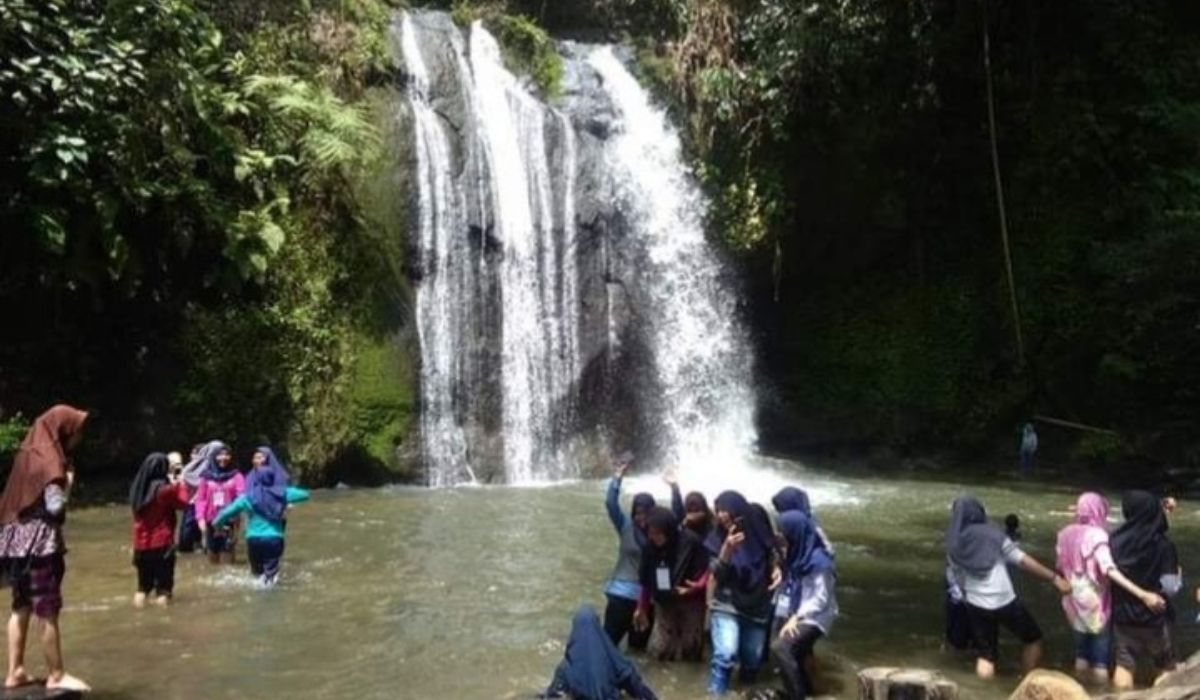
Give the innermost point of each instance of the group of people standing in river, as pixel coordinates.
(211, 491)
(751, 585)
(1116, 589)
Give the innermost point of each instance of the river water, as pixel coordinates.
(467, 593)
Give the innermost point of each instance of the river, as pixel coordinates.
(467, 593)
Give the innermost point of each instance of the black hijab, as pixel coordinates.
(592, 668)
(972, 543)
(1140, 546)
(682, 554)
(696, 502)
(151, 476)
(752, 559)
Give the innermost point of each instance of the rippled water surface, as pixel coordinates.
(467, 593)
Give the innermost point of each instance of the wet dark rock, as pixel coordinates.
(882, 683)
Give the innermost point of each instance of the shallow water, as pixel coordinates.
(467, 593)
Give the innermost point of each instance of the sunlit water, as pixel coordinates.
(467, 593)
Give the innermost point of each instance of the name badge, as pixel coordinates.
(663, 578)
(219, 499)
(783, 605)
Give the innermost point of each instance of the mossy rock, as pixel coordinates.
(383, 402)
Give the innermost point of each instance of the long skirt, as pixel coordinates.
(679, 629)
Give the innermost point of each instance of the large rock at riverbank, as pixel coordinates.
(1049, 685)
(1181, 684)
(904, 684)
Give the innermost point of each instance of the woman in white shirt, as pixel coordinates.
(979, 555)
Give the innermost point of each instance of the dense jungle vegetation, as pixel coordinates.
(201, 233)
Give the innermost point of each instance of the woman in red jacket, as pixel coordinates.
(155, 496)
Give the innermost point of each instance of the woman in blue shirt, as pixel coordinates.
(267, 497)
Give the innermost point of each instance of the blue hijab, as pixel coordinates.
(592, 668)
(641, 502)
(806, 553)
(212, 470)
(792, 498)
(752, 559)
(266, 486)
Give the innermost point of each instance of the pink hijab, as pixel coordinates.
(1078, 542)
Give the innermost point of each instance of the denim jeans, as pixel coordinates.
(1094, 648)
(735, 640)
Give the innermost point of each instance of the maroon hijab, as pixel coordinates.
(42, 459)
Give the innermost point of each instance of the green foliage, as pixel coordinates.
(12, 432)
(183, 217)
(527, 48)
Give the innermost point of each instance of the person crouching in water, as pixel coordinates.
(220, 484)
(674, 579)
(592, 667)
(33, 509)
(154, 496)
(979, 552)
(1142, 626)
(267, 497)
(807, 598)
(624, 585)
(743, 571)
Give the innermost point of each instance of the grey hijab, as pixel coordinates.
(193, 470)
(972, 543)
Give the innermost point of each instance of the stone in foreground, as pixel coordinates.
(1181, 684)
(38, 692)
(883, 683)
(1049, 685)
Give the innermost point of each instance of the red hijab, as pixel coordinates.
(42, 459)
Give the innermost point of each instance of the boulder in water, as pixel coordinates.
(882, 683)
(1181, 684)
(1049, 685)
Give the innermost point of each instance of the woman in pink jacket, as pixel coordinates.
(220, 484)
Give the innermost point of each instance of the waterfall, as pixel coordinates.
(566, 295)
(700, 353)
(440, 321)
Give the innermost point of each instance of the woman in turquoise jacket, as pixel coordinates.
(267, 497)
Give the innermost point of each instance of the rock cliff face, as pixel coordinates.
(568, 304)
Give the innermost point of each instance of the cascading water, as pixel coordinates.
(567, 301)
(700, 354)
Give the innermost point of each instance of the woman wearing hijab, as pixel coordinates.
(220, 484)
(191, 473)
(268, 494)
(1142, 625)
(674, 578)
(692, 512)
(592, 668)
(745, 572)
(1085, 558)
(792, 498)
(979, 553)
(624, 587)
(32, 511)
(154, 497)
(807, 599)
